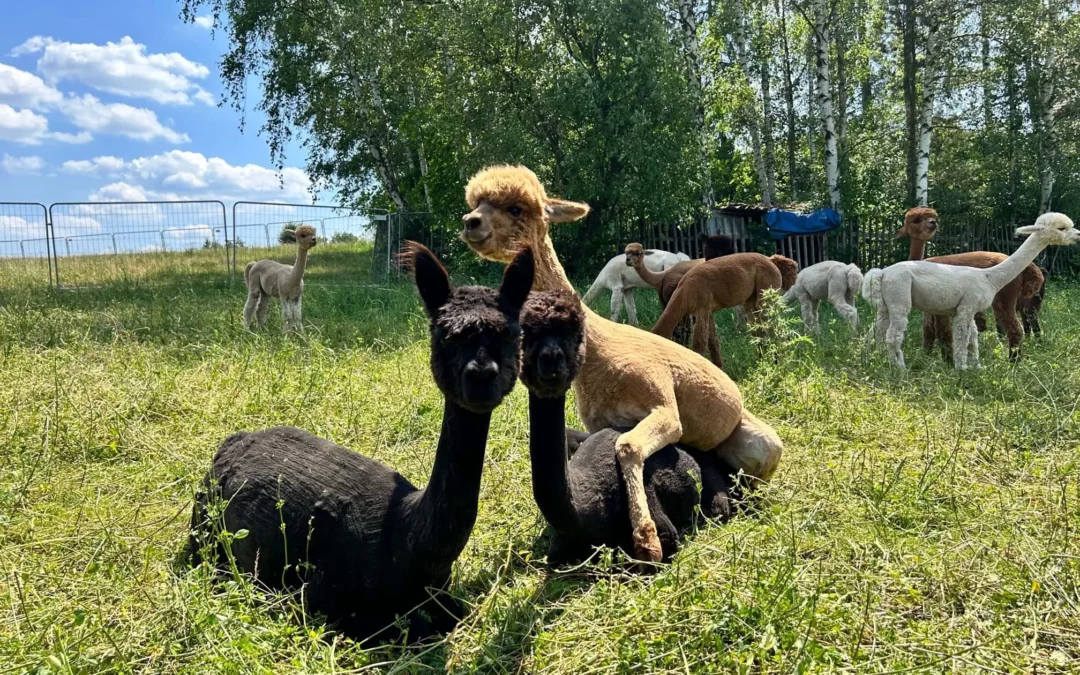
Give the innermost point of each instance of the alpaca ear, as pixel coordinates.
(431, 278)
(902, 232)
(517, 282)
(1028, 229)
(562, 211)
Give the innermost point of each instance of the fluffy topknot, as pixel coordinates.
(557, 310)
(305, 230)
(503, 185)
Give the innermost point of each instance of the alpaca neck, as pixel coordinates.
(550, 275)
(550, 467)
(654, 279)
(297, 273)
(445, 512)
(917, 249)
(1001, 274)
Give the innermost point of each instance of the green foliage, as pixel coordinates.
(344, 238)
(288, 233)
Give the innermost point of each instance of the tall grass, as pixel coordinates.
(924, 522)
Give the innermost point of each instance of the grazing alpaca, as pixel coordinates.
(732, 281)
(629, 377)
(956, 291)
(715, 246)
(920, 225)
(365, 543)
(829, 280)
(583, 499)
(269, 278)
(622, 281)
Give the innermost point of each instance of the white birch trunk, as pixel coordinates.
(1049, 146)
(824, 101)
(767, 130)
(926, 114)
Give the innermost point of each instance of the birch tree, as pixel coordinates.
(822, 42)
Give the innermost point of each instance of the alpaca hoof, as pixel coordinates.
(647, 544)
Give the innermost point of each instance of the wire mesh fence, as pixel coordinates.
(25, 253)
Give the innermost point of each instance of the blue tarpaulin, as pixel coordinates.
(785, 223)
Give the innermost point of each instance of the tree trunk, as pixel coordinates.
(384, 167)
(742, 55)
(841, 92)
(812, 117)
(424, 176)
(688, 26)
(906, 12)
(824, 98)
(789, 105)
(767, 131)
(926, 116)
(988, 85)
(1046, 105)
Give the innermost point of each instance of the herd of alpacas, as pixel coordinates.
(668, 442)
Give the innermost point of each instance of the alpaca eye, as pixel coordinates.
(514, 211)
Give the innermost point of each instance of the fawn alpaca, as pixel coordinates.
(269, 278)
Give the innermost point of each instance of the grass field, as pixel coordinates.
(918, 523)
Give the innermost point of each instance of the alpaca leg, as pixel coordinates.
(298, 324)
(929, 332)
(809, 316)
(263, 310)
(253, 299)
(616, 303)
(943, 331)
(631, 308)
(962, 324)
(714, 346)
(286, 315)
(881, 325)
(659, 428)
(840, 297)
(1005, 315)
(973, 345)
(1030, 316)
(753, 448)
(815, 307)
(683, 330)
(894, 336)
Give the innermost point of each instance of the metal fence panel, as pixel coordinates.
(25, 254)
(96, 243)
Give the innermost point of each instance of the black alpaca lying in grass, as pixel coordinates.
(584, 499)
(368, 544)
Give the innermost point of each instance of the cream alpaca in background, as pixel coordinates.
(829, 280)
(622, 280)
(949, 290)
(269, 278)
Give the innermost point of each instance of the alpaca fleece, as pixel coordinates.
(364, 542)
(267, 279)
(829, 280)
(629, 378)
(622, 280)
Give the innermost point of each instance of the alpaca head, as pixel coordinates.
(552, 342)
(474, 330)
(305, 237)
(717, 246)
(1053, 229)
(919, 223)
(789, 270)
(509, 210)
(635, 253)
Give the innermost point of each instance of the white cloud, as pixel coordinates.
(123, 68)
(29, 165)
(89, 113)
(25, 90)
(15, 227)
(22, 126)
(97, 165)
(206, 22)
(119, 192)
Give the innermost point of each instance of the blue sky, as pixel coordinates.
(117, 100)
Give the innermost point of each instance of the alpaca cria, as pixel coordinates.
(629, 378)
(1031, 308)
(950, 290)
(829, 280)
(359, 537)
(920, 226)
(736, 280)
(622, 281)
(583, 499)
(267, 279)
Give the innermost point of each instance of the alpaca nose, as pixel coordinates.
(472, 222)
(482, 370)
(551, 360)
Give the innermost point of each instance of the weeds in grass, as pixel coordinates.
(924, 522)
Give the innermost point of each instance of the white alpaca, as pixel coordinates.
(622, 280)
(950, 290)
(829, 280)
(269, 278)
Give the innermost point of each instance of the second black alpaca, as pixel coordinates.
(584, 498)
(365, 542)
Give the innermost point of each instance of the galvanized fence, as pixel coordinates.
(25, 249)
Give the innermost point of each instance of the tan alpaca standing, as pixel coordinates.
(736, 280)
(630, 377)
(920, 226)
(269, 278)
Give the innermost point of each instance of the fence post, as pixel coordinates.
(162, 233)
(22, 248)
(114, 251)
(67, 245)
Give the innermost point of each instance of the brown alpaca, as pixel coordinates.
(666, 282)
(732, 281)
(920, 225)
(667, 393)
